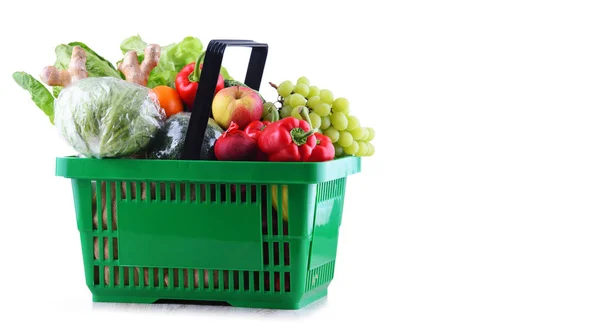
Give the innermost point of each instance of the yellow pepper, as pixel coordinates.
(284, 200)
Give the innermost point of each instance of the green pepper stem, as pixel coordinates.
(195, 75)
(299, 136)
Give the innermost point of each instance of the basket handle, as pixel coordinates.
(208, 82)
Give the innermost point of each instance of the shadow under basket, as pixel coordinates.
(246, 234)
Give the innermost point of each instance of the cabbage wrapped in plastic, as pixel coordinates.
(106, 117)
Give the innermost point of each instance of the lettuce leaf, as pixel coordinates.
(39, 93)
(134, 43)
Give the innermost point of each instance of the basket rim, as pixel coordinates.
(251, 172)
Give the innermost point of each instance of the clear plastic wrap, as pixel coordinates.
(170, 140)
(107, 117)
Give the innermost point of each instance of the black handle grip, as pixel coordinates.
(209, 75)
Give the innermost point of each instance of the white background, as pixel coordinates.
(479, 208)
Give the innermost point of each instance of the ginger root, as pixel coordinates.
(134, 71)
(53, 76)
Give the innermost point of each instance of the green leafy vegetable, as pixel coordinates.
(134, 43)
(39, 93)
(225, 73)
(184, 52)
(107, 117)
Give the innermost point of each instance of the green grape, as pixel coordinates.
(297, 100)
(319, 131)
(339, 150)
(267, 110)
(286, 111)
(371, 149)
(352, 148)
(341, 105)
(365, 134)
(371, 134)
(325, 122)
(313, 101)
(333, 134)
(345, 139)
(363, 149)
(302, 89)
(285, 88)
(286, 101)
(339, 121)
(357, 133)
(296, 112)
(315, 120)
(303, 80)
(314, 91)
(322, 109)
(326, 96)
(352, 122)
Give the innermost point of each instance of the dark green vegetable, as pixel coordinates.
(39, 93)
(170, 140)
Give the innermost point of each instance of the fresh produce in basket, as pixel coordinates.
(169, 141)
(238, 104)
(170, 76)
(163, 66)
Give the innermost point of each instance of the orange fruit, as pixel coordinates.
(169, 99)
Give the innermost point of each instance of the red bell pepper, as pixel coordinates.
(186, 82)
(324, 150)
(255, 128)
(289, 139)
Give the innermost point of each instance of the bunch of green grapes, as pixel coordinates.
(329, 114)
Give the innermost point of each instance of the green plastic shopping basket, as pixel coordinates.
(250, 234)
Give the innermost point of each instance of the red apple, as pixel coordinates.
(239, 104)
